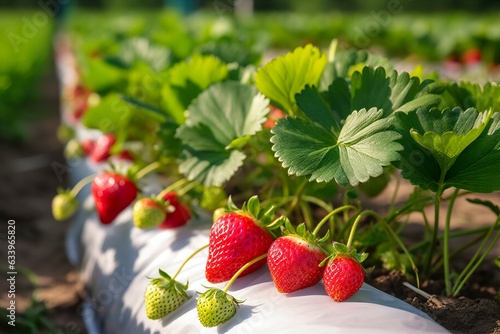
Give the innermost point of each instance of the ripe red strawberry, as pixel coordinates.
(112, 194)
(101, 150)
(79, 96)
(471, 56)
(148, 213)
(237, 238)
(180, 214)
(294, 260)
(274, 115)
(343, 275)
(87, 146)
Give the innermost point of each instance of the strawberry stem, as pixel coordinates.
(332, 213)
(148, 169)
(189, 258)
(173, 187)
(82, 183)
(242, 269)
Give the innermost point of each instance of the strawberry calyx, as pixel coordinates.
(262, 216)
(303, 233)
(167, 282)
(340, 250)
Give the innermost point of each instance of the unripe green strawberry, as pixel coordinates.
(148, 213)
(163, 296)
(343, 275)
(216, 307)
(64, 205)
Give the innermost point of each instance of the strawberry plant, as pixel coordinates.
(311, 132)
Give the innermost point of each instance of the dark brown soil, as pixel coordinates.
(28, 184)
(476, 311)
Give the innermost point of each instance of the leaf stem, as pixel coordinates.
(446, 243)
(189, 258)
(242, 269)
(82, 183)
(330, 214)
(148, 169)
(470, 268)
(437, 202)
(297, 196)
(172, 187)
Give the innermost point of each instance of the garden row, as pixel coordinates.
(312, 132)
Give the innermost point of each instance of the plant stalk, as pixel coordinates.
(189, 258)
(242, 269)
(82, 183)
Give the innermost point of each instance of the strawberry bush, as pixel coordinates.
(299, 142)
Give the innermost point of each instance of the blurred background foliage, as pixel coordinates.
(419, 28)
(309, 6)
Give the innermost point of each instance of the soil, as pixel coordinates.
(29, 182)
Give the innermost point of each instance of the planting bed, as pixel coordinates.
(172, 120)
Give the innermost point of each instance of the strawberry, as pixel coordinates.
(216, 307)
(101, 150)
(471, 56)
(64, 205)
(274, 115)
(112, 193)
(87, 146)
(294, 259)
(148, 213)
(343, 275)
(164, 295)
(180, 214)
(238, 237)
(79, 96)
(73, 149)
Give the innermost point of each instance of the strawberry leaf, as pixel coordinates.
(452, 137)
(285, 76)
(187, 79)
(372, 87)
(462, 145)
(358, 152)
(224, 112)
(111, 114)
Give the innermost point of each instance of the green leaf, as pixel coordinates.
(452, 139)
(229, 52)
(285, 76)
(362, 148)
(221, 114)
(109, 115)
(366, 146)
(373, 88)
(100, 76)
(137, 49)
(152, 110)
(253, 206)
(187, 79)
(315, 107)
(462, 144)
(476, 169)
(488, 204)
